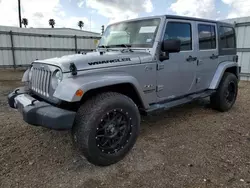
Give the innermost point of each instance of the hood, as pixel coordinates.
(94, 60)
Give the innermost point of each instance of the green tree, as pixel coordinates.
(80, 24)
(52, 23)
(25, 22)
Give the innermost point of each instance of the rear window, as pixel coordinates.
(227, 37)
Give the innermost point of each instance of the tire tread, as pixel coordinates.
(86, 114)
(216, 100)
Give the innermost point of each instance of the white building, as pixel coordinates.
(21, 46)
(242, 26)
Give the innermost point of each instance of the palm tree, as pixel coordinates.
(80, 24)
(52, 23)
(25, 22)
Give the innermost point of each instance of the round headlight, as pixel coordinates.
(56, 78)
(30, 73)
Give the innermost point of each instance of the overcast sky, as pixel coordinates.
(95, 13)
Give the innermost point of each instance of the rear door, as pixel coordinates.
(207, 37)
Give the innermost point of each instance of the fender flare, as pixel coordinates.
(67, 88)
(220, 72)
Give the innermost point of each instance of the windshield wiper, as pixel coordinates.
(128, 46)
(121, 45)
(103, 46)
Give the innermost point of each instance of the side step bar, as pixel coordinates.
(178, 102)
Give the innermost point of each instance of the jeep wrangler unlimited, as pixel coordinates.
(140, 66)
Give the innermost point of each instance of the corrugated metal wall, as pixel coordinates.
(242, 26)
(19, 47)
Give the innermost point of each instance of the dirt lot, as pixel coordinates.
(189, 146)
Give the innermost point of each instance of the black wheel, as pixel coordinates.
(226, 95)
(106, 128)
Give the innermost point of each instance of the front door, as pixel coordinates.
(177, 76)
(207, 54)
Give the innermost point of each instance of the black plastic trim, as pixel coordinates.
(46, 115)
(40, 113)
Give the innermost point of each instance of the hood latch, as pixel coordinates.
(73, 69)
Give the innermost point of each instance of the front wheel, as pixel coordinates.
(106, 128)
(226, 95)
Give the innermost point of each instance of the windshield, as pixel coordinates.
(139, 33)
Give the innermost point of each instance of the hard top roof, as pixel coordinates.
(181, 18)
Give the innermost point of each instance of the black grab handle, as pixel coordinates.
(191, 58)
(214, 56)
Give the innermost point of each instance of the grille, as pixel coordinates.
(40, 81)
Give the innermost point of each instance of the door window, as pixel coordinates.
(181, 31)
(207, 37)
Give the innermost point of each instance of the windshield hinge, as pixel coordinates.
(159, 88)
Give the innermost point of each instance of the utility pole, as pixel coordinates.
(19, 12)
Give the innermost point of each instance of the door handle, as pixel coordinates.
(214, 56)
(190, 59)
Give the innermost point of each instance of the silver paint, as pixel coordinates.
(153, 81)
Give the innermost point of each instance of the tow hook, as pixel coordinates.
(16, 91)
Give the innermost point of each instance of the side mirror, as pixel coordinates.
(171, 45)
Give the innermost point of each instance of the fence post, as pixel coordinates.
(75, 43)
(13, 50)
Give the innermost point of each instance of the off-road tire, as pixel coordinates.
(219, 99)
(90, 115)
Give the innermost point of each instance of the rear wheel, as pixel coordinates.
(106, 128)
(226, 95)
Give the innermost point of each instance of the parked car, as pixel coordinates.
(141, 66)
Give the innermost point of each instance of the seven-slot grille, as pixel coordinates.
(40, 81)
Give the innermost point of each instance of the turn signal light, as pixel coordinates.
(79, 93)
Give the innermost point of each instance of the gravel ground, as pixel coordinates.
(188, 146)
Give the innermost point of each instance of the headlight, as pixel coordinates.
(27, 75)
(30, 73)
(56, 78)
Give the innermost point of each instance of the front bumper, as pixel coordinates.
(40, 113)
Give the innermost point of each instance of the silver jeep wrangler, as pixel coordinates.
(140, 66)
